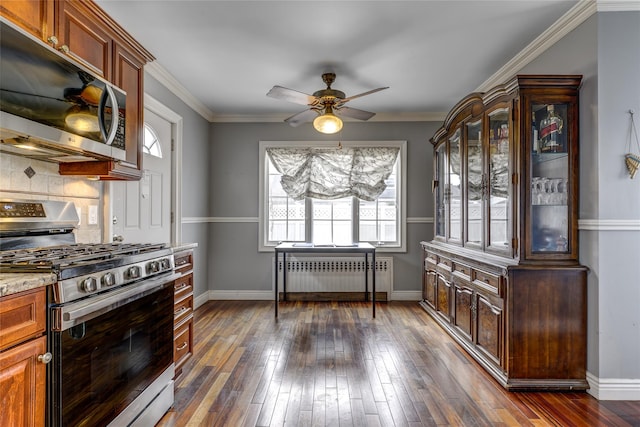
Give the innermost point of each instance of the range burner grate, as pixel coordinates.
(56, 258)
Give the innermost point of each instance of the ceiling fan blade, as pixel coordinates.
(354, 113)
(342, 101)
(291, 95)
(302, 117)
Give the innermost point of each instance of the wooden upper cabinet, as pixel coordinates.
(35, 17)
(84, 32)
(84, 38)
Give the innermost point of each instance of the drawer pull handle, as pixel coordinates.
(182, 347)
(182, 286)
(45, 358)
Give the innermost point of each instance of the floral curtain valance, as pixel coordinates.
(329, 173)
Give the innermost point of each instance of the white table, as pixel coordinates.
(308, 248)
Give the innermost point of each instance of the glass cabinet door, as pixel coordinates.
(439, 189)
(550, 184)
(498, 185)
(454, 188)
(475, 185)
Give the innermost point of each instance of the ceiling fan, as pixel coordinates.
(324, 106)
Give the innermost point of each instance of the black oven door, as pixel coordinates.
(102, 364)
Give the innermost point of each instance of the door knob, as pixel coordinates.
(118, 238)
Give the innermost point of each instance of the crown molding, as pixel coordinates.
(563, 26)
(279, 118)
(165, 78)
(618, 5)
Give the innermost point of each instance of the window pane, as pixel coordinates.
(368, 231)
(332, 221)
(151, 145)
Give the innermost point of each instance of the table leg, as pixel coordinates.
(366, 277)
(373, 263)
(284, 276)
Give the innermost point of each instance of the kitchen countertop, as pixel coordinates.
(12, 283)
(184, 247)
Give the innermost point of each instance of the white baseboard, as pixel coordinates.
(613, 388)
(406, 296)
(269, 296)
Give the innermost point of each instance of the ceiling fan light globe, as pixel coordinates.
(327, 123)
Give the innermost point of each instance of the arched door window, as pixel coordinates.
(151, 143)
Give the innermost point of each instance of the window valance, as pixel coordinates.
(330, 173)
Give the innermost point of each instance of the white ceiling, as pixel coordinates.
(228, 54)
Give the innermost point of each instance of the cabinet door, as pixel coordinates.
(87, 39)
(429, 288)
(454, 188)
(475, 186)
(443, 301)
(441, 190)
(35, 16)
(129, 77)
(22, 385)
(552, 227)
(462, 315)
(499, 188)
(489, 328)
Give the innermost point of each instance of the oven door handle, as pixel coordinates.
(65, 316)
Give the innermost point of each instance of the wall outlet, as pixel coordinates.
(93, 215)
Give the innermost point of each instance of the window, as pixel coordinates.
(151, 143)
(340, 221)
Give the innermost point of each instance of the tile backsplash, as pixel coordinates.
(23, 178)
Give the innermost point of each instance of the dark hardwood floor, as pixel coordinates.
(331, 364)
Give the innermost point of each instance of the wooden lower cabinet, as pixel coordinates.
(23, 358)
(183, 310)
(525, 325)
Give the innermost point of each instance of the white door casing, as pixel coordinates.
(140, 211)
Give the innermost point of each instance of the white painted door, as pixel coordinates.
(142, 209)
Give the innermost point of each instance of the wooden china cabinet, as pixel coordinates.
(501, 275)
(84, 32)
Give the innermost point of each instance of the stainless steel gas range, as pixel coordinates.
(110, 317)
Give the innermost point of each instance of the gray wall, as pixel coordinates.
(195, 176)
(234, 260)
(220, 180)
(604, 49)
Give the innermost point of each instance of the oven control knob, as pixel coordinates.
(133, 272)
(108, 279)
(153, 267)
(165, 264)
(90, 284)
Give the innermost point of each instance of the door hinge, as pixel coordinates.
(514, 179)
(172, 219)
(514, 244)
(173, 144)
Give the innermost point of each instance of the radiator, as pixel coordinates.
(334, 274)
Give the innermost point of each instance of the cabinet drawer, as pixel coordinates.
(431, 258)
(462, 270)
(182, 309)
(445, 264)
(182, 344)
(183, 286)
(183, 261)
(487, 281)
(22, 316)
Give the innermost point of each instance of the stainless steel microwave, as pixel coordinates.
(54, 108)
